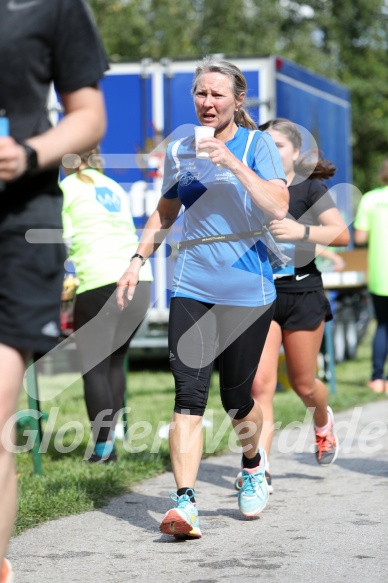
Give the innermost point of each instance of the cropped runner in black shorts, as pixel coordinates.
(301, 306)
(40, 43)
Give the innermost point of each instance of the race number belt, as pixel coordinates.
(218, 239)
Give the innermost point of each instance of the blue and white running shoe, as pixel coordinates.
(182, 520)
(238, 481)
(253, 494)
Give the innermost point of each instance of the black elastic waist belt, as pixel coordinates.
(218, 239)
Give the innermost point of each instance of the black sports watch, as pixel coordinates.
(31, 158)
(306, 233)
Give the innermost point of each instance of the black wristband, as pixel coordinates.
(306, 233)
(139, 257)
(31, 158)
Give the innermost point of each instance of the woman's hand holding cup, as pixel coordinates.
(202, 132)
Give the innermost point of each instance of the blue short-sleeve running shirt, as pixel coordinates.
(229, 273)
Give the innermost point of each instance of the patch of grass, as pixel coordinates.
(70, 485)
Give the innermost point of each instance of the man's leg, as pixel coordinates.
(12, 366)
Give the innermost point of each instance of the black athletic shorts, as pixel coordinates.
(30, 292)
(302, 310)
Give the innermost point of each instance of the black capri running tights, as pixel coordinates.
(198, 333)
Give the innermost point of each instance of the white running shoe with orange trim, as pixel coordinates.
(7, 575)
(326, 446)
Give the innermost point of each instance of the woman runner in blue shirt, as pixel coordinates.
(223, 291)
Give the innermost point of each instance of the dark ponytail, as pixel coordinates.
(311, 164)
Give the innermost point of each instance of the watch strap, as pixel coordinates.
(306, 233)
(139, 257)
(31, 157)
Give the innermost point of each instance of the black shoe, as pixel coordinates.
(96, 459)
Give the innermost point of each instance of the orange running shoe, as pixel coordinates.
(326, 446)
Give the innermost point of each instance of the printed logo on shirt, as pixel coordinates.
(172, 356)
(226, 176)
(187, 179)
(13, 5)
(299, 277)
(108, 199)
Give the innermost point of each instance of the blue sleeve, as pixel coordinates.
(267, 161)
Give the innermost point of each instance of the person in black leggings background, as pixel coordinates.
(100, 233)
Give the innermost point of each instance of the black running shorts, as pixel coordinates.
(302, 310)
(30, 292)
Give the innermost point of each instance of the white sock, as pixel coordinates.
(323, 430)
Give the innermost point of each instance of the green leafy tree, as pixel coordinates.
(348, 42)
(179, 29)
(240, 27)
(123, 27)
(344, 40)
(360, 32)
(154, 29)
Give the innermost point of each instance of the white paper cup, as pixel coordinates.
(202, 132)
